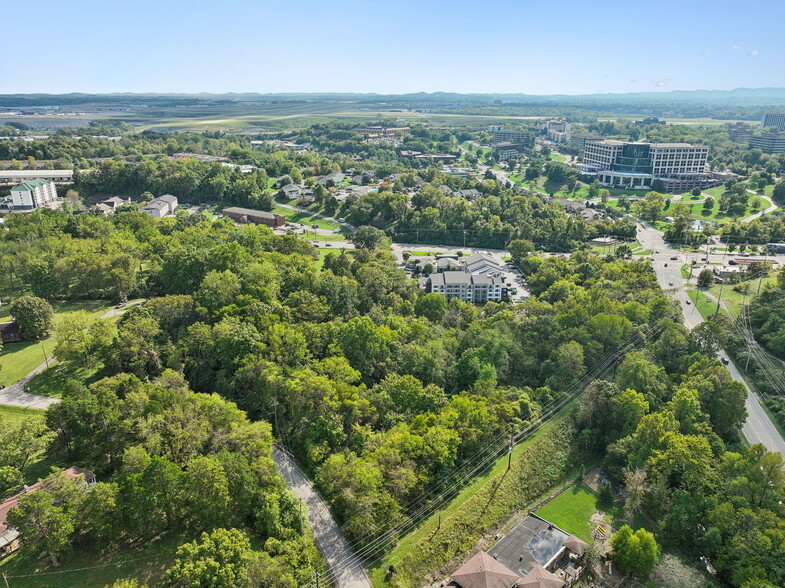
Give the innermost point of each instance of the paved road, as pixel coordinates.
(758, 427)
(344, 565)
(15, 394)
(772, 207)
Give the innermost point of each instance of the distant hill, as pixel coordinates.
(737, 97)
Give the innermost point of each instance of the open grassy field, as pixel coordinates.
(305, 218)
(13, 414)
(571, 511)
(19, 359)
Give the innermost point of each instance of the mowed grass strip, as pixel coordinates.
(538, 465)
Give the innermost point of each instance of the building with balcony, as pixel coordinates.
(502, 135)
(768, 142)
(33, 194)
(773, 119)
(739, 132)
(476, 288)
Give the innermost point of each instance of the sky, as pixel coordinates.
(401, 46)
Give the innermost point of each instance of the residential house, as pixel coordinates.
(10, 332)
(9, 535)
(290, 191)
(482, 263)
(334, 177)
(162, 206)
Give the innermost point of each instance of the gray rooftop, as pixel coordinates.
(533, 541)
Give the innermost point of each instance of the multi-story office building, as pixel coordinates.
(560, 126)
(680, 166)
(579, 139)
(502, 135)
(506, 150)
(468, 287)
(768, 142)
(773, 119)
(739, 132)
(33, 194)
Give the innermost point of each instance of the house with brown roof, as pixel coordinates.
(10, 332)
(9, 536)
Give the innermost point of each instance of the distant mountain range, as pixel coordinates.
(738, 97)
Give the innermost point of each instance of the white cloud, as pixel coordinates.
(662, 82)
(753, 53)
(737, 47)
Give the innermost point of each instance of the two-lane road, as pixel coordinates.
(758, 427)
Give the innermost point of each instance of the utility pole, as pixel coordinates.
(509, 454)
(719, 298)
(6, 580)
(46, 359)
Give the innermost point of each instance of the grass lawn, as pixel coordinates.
(14, 414)
(685, 271)
(145, 563)
(53, 380)
(572, 509)
(295, 216)
(557, 157)
(705, 305)
(733, 300)
(19, 359)
(324, 252)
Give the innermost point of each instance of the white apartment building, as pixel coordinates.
(33, 194)
(475, 288)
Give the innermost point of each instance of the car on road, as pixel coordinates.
(341, 220)
(689, 301)
(670, 283)
(674, 258)
(724, 360)
(665, 265)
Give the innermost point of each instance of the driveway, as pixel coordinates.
(15, 395)
(345, 567)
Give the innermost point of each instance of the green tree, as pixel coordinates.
(432, 306)
(46, 528)
(83, 339)
(34, 316)
(705, 278)
(219, 559)
(367, 237)
(636, 553)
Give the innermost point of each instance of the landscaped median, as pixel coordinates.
(538, 466)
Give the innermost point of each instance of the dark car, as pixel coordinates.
(724, 360)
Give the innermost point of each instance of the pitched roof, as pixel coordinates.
(577, 546)
(30, 185)
(482, 571)
(539, 577)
